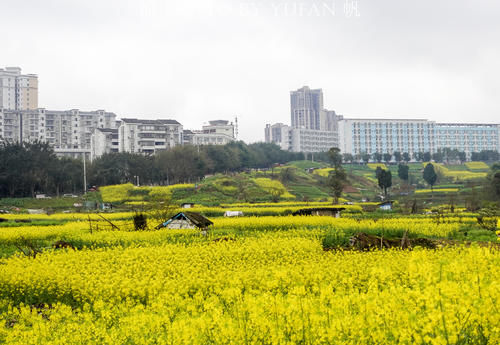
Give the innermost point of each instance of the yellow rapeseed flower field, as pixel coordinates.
(477, 165)
(374, 166)
(268, 290)
(251, 280)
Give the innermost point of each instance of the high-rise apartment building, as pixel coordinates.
(18, 91)
(69, 132)
(306, 108)
(313, 128)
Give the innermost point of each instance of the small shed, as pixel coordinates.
(385, 206)
(187, 205)
(186, 220)
(319, 211)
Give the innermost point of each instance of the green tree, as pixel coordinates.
(336, 181)
(438, 156)
(384, 180)
(337, 178)
(398, 157)
(493, 181)
(287, 174)
(426, 156)
(403, 173)
(387, 157)
(377, 157)
(365, 157)
(348, 157)
(335, 157)
(418, 156)
(406, 157)
(462, 156)
(430, 175)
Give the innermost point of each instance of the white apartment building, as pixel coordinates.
(69, 132)
(18, 91)
(310, 140)
(104, 140)
(279, 134)
(300, 139)
(357, 136)
(217, 132)
(468, 137)
(149, 136)
(390, 135)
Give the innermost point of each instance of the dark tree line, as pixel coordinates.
(444, 155)
(185, 164)
(493, 182)
(30, 168)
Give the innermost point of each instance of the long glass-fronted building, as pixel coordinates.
(358, 136)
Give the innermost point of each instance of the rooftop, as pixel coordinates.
(151, 122)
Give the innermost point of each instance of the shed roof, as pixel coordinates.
(308, 211)
(197, 219)
(388, 202)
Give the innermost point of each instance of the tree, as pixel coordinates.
(337, 177)
(377, 157)
(348, 157)
(494, 181)
(406, 157)
(438, 156)
(25, 168)
(335, 157)
(384, 180)
(398, 156)
(462, 156)
(426, 156)
(336, 181)
(365, 157)
(287, 174)
(430, 175)
(387, 157)
(403, 170)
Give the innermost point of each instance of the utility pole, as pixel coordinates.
(84, 175)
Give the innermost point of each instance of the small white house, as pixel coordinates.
(233, 214)
(385, 206)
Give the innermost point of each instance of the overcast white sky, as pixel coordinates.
(216, 59)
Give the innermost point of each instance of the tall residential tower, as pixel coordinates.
(18, 91)
(306, 107)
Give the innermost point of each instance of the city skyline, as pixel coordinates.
(205, 60)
